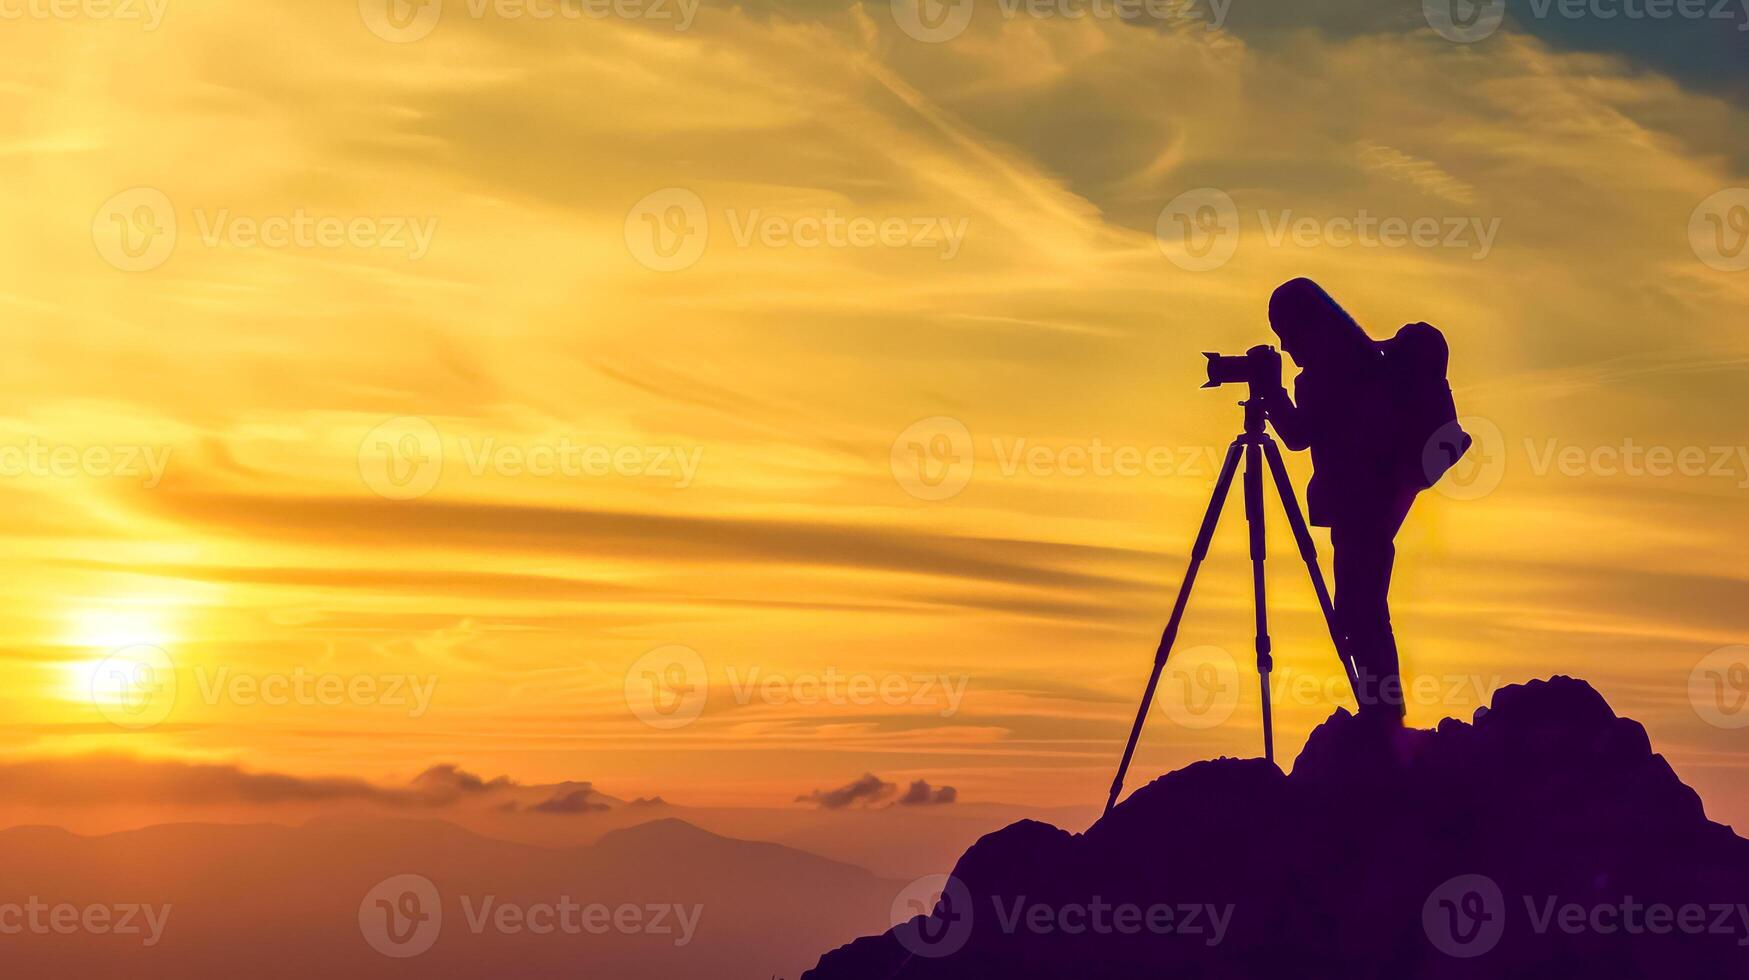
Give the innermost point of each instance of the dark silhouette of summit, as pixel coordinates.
(1544, 839)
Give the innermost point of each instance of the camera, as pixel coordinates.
(1247, 368)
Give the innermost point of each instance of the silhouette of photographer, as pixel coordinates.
(1381, 425)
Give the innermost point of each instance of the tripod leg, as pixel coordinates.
(1198, 552)
(1259, 551)
(1309, 551)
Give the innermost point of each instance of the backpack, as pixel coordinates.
(1426, 437)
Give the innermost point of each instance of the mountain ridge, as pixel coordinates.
(1368, 860)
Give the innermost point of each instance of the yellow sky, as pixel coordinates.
(487, 362)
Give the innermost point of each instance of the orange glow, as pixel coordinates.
(412, 367)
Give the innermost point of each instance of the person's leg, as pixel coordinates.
(1363, 556)
(1389, 661)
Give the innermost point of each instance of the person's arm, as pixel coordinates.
(1292, 423)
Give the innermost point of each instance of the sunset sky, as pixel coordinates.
(451, 366)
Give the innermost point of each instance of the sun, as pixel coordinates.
(105, 627)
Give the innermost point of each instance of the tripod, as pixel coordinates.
(1255, 444)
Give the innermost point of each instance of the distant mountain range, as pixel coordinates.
(98, 794)
(352, 898)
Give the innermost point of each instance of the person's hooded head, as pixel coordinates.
(1318, 334)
